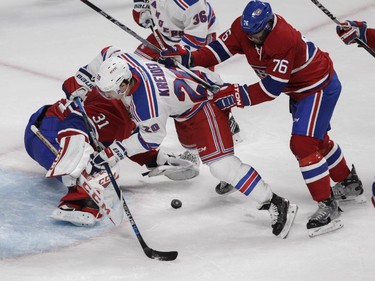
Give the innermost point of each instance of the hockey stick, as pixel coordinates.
(334, 19)
(212, 88)
(152, 254)
(93, 193)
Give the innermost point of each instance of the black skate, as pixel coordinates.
(282, 215)
(325, 219)
(224, 188)
(350, 189)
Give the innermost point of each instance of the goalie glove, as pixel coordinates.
(183, 167)
(177, 53)
(142, 14)
(231, 95)
(110, 155)
(349, 31)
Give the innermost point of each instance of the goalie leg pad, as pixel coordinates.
(100, 189)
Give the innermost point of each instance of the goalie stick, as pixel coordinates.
(213, 88)
(151, 253)
(334, 19)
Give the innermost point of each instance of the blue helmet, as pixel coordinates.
(256, 16)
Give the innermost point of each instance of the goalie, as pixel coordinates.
(63, 126)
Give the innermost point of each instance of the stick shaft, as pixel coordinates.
(148, 44)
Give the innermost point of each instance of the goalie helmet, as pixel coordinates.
(111, 74)
(256, 16)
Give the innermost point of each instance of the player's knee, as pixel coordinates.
(226, 169)
(303, 146)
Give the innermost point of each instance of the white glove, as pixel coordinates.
(183, 167)
(79, 93)
(110, 155)
(142, 14)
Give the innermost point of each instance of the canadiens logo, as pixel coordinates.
(257, 12)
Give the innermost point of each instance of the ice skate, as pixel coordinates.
(350, 189)
(325, 219)
(77, 208)
(282, 215)
(224, 188)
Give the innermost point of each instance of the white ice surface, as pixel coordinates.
(218, 238)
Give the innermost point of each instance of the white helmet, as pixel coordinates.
(111, 74)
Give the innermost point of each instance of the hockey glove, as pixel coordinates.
(231, 95)
(80, 93)
(142, 14)
(349, 31)
(110, 155)
(177, 53)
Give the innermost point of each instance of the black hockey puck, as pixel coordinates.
(175, 203)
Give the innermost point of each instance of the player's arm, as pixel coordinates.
(371, 38)
(268, 88)
(226, 46)
(147, 137)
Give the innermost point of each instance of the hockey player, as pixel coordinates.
(154, 93)
(188, 23)
(64, 127)
(287, 62)
(349, 31)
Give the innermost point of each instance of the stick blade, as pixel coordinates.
(161, 256)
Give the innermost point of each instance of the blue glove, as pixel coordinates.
(349, 31)
(177, 53)
(231, 95)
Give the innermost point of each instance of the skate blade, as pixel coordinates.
(360, 199)
(74, 217)
(292, 211)
(237, 138)
(332, 226)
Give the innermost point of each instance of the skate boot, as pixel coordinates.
(325, 219)
(349, 189)
(224, 188)
(77, 208)
(282, 215)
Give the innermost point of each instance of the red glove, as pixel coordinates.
(232, 95)
(349, 31)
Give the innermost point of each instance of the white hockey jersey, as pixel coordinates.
(159, 93)
(185, 22)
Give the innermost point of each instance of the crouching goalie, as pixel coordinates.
(90, 195)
